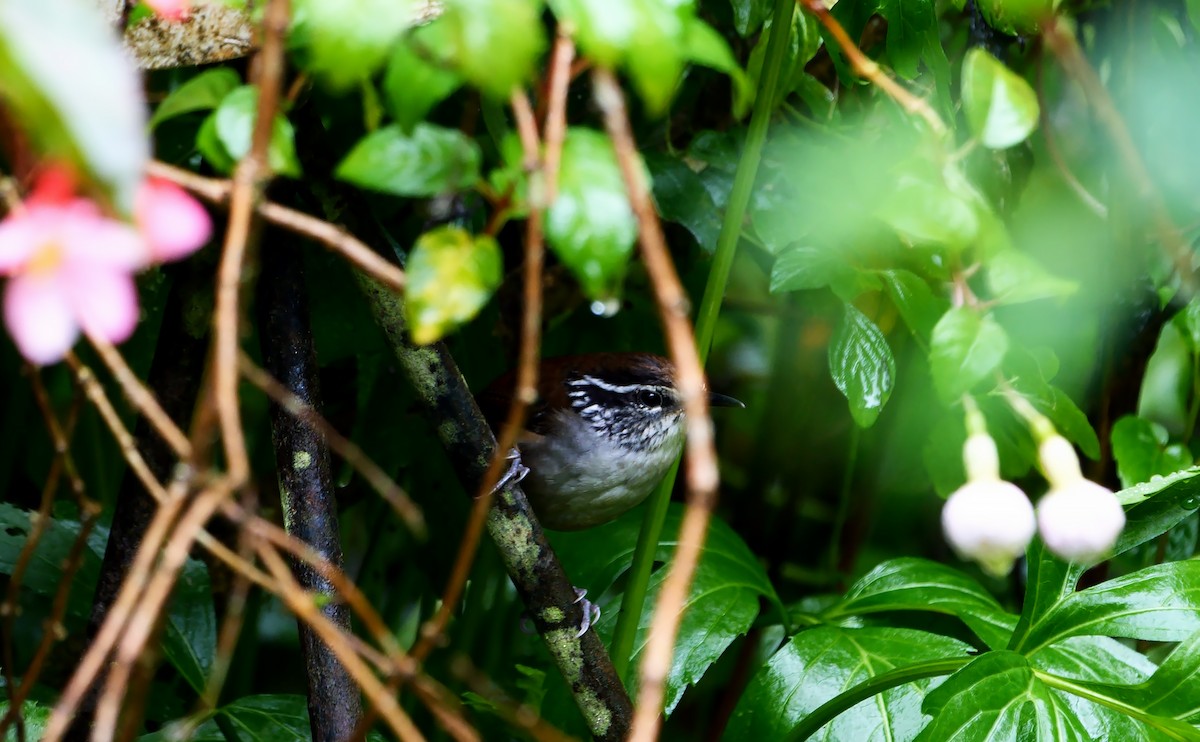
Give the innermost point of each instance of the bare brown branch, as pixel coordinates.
(701, 456)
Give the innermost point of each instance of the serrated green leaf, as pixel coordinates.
(682, 198)
(1014, 277)
(862, 366)
(494, 44)
(414, 86)
(808, 267)
(1001, 108)
(1142, 449)
(65, 77)
(818, 664)
(998, 697)
(965, 349)
(203, 92)
(451, 275)
(915, 300)
(591, 226)
(1159, 603)
(234, 127)
(912, 584)
(429, 161)
(345, 41)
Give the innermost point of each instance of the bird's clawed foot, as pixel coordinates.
(515, 473)
(591, 611)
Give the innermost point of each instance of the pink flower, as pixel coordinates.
(71, 269)
(170, 10)
(174, 224)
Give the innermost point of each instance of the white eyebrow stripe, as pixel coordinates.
(615, 388)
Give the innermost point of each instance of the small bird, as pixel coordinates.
(604, 431)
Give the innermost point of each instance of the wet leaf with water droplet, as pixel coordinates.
(862, 366)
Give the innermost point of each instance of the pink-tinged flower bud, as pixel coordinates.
(990, 522)
(1059, 462)
(1080, 521)
(980, 458)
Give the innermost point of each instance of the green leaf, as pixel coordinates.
(748, 15)
(66, 79)
(722, 604)
(451, 275)
(706, 47)
(1014, 277)
(429, 161)
(648, 37)
(1153, 508)
(234, 124)
(998, 697)
(682, 198)
(820, 663)
(1142, 449)
(190, 634)
(495, 44)
(203, 92)
(414, 86)
(912, 584)
(345, 41)
(1159, 603)
(804, 42)
(1001, 108)
(964, 349)
(807, 267)
(265, 718)
(210, 147)
(1190, 317)
(915, 300)
(34, 716)
(862, 365)
(923, 209)
(591, 226)
(1094, 658)
(1173, 690)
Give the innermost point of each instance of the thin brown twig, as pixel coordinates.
(330, 235)
(143, 620)
(524, 394)
(1062, 43)
(137, 464)
(305, 608)
(60, 436)
(866, 67)
(556, 113)
(142, 399)
(249, 179)
(702, 476)
(93, 661)
(1060, 162)
(344, 447)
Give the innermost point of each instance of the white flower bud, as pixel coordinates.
(980, 458)
(1080, 522)
(1059, 462)
(989, 522)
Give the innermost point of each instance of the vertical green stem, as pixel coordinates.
(844, 498)
(706, 321)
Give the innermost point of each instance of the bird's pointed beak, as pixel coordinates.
(721, 400)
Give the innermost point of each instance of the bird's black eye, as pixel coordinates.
(650, 399)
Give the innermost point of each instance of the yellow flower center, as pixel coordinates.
(46, 260)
